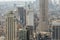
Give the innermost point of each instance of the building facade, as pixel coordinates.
(2, 37)
(43, 23)
(11, 27)
(22, 34)
(22, 14)
(30, 22)
(55, 30)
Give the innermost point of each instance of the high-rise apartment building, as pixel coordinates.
(11, 27)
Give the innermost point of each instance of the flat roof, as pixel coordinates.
(56, 23)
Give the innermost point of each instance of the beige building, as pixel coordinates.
(2, 38)
(11, 27)
(43, 23)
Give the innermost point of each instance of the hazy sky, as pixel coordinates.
(57, 1)
(16, 0)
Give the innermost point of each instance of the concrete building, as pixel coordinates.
(43, 23)
(30, 22)
(2, 37)
(2, 25)
(11, 27)
(30, 18)
(22, 34)
(22, 14)
(55, 30)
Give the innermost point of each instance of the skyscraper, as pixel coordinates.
(30, 22)
(22, 14)
(11, 26)
(43, 24)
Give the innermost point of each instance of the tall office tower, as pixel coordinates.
(11, 27)
(43, 24)
(22, 14)
(30, 22)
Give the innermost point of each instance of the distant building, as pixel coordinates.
(1, 31)
(30, 22)
(39, 36)
(55, 30)
(43, 23)
(30, 17)
(36, 21)
(22, 14)
(2, 38)
(22, 34)
(11, 27)
(2, 26)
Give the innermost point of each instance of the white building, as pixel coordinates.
(30, 18)
(30, 22)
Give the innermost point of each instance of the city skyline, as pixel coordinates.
(29, 19)
(15, 0)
